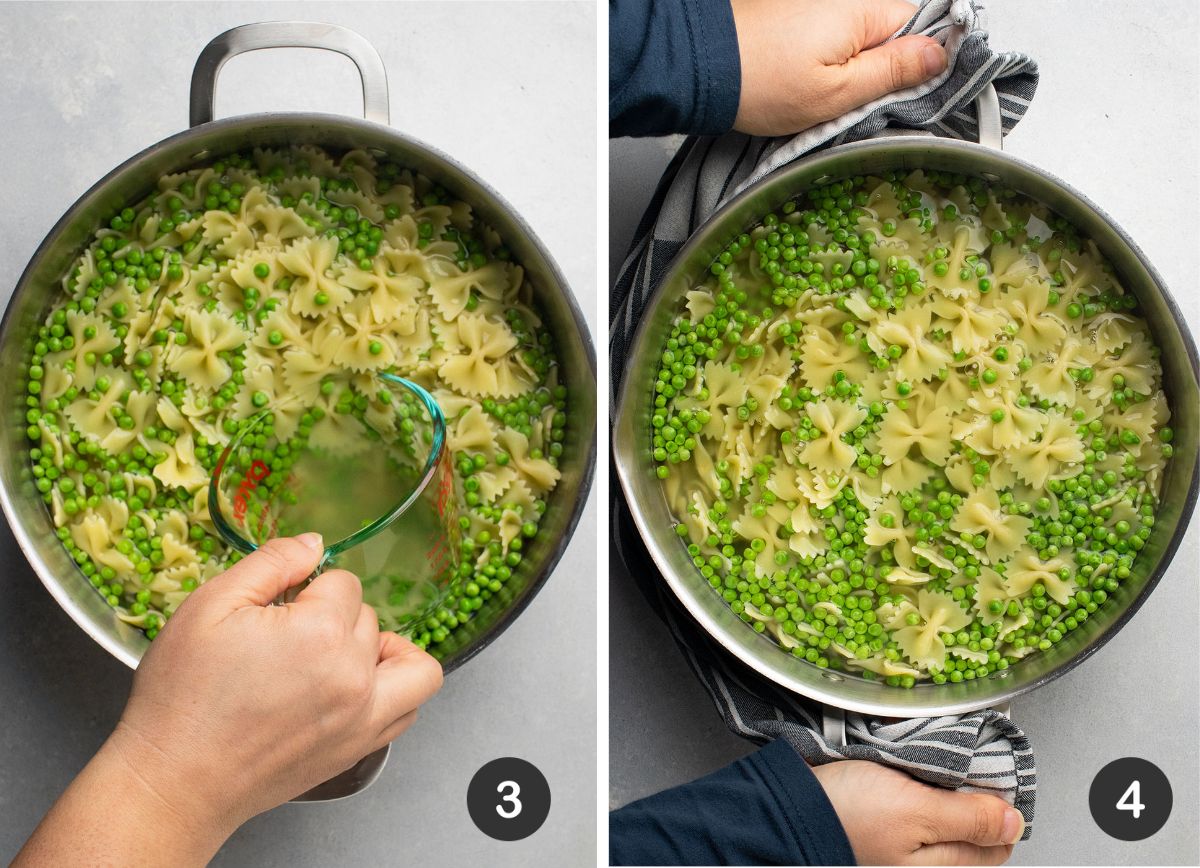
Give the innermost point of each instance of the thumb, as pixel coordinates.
(895, 65)
(264, 574)
(975, 818)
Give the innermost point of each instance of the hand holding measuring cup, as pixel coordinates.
(380, 497)
(290, 697)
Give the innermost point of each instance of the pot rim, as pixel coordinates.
(105, 637)
(624, 435)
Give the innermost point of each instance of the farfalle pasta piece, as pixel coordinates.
(904, 237)
(1110, 331)
(362, 203)
(700, 303)
(881, 665)
(95, 418)
(226, 234)
(961, 238)
(182, 469)
(337, 433)
(823, 355)
(1134, 362)
(265, 388)
(538, 473)
(199, 361)
(1082, 276)
(1143, 418)
(140, 412)
(725, 388)
(1010, 266)
(1050, 378)
(509, 528)
(885, 527)
(311, 160)
(990, 588)
(907, 474)
(907, 576)
(1027, 569)
(765, 528)
(908, 329)
(902, 430)
(367, 345)
(93, 337)
(404, 234)
(451, 291)
(883, 201)
(971, 327)
(981, 513)
(828, 453)
(414, 348)
(1003, 423)
(922, 644)
(394, 293)
(277, 225)
(472, 432)
(933, 558)
(1057, 450)
(93, 535)
(1039, 330)
(484, 368)
(279, 332)
(314, 291)
(494, 482)
(765, 389)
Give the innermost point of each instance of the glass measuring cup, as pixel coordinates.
(376, 483)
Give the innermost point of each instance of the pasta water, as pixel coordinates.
(383, 503)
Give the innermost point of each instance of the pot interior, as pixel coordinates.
(632, 441)
(28, 516)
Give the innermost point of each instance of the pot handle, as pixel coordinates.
(987, 114)
(289, 34)
(833, 721)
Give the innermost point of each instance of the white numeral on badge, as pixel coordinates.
(1132, 800)
(511, 798)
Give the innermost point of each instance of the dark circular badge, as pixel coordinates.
(1130, 799)
(508, 799)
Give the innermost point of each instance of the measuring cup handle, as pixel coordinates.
(289, 34)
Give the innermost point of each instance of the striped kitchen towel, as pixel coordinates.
(983, 751)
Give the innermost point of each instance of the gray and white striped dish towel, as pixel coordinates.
(983, 751)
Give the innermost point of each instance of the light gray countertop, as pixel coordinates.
(1115, 116)
(506, 88)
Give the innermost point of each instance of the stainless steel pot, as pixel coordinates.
(206, 141)
(632, 432)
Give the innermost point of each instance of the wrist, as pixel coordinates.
(122, 810)
(164, 798)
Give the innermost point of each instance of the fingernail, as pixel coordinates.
(312, 540)
(1014, 826)
(934, 59)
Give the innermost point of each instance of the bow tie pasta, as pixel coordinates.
(285, 280)
(912, 428)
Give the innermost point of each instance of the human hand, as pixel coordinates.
(892, 819)
(237, 707)
(252, 704)
(808, 61)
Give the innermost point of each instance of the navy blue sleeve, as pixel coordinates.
(673, 67)
(765, 809)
